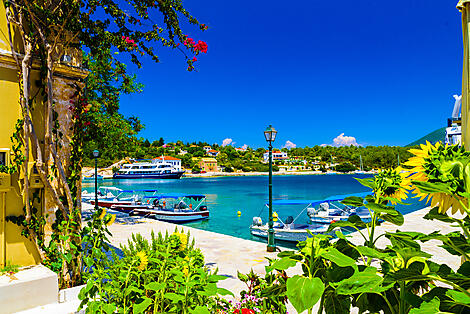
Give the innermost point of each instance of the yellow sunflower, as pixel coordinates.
(103, 213)
(417, 173)
(186, 271)
(394, 183)
(111, 220)
(183, 240)
(143, 260)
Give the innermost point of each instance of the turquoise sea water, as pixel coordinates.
(227, 195)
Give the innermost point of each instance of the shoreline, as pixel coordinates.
(256, 173)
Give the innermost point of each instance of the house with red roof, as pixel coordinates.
(213, 153)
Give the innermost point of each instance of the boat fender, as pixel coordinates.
(275, 216)
(239, 213)
(257, 221)
(190, 206)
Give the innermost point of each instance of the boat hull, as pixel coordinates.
(171, 216)
(109, 204)
(173, 175)
(288, 235)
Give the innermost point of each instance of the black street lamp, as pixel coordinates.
(270, 135)
(96, 154)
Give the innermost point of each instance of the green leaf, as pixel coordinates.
(369, 182)
(199, 310)
(142, 306)
(109, 308)
(304, 292)
(223, 291)
(427, 307)
(84, 290)
(370, 252)
(336, 304)
(435, 214)
(155, 286)
(173, 297)
(338, 258)
(429, 187)
(382, 209)
(361, 282)
(216, 278)
(394, 219)
(458, 296)
(242, 277)
(353, 201)
(281, 264)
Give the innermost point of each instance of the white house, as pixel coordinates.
(207, 148)
(175, 162)
(213, 153)
(277, 156)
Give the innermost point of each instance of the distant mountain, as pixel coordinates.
(432, 137)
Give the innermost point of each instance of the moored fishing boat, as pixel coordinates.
(104, 193)
(169, 207)
(125, 197)
(331, 209)
(283, 231)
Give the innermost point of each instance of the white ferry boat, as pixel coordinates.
(156, 169)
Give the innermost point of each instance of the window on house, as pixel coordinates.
(3, 158)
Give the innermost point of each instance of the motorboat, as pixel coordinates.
(331, 209)
(169, 207)
(104, 193)
(286, 231)
(125, 197)
(156, 169)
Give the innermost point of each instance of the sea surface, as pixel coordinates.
(249, 195)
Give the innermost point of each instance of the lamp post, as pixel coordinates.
(96, 153)
(270, 135)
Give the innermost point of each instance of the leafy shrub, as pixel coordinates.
(164, 275)
(345, 167)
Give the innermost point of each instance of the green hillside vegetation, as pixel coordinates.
(433, 137)
(346, 158)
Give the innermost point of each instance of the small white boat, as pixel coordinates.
(125, 197)
(331, 209)
(169, 207)
(286, 232)
(104, 193)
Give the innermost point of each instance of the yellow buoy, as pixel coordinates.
(275, 216)
(239, 213)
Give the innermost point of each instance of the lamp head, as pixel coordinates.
(270, 134)
(96, 153)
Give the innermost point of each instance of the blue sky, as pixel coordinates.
(383, 72)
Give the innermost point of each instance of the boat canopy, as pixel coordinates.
(196, 197)
(333, 198)
(132, 191)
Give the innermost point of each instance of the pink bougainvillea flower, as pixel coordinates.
(194, 59)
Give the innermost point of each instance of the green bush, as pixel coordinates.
(345, 167)
(164, 275)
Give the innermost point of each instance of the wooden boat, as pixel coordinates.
(170, 207)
